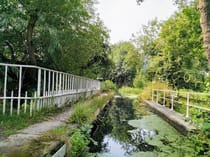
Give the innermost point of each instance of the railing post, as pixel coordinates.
(56, 83)
(38, 87)
(172, 100)
(11, 103)
(31, 107)
(19, 90)
(53, 83)
(44, 91)
(60, 83)
(187, 105)
(63, 83)
(25, 103)
(49, 83)
(164, 98)
(157, 97)
(5, 89)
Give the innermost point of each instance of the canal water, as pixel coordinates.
(130, 129)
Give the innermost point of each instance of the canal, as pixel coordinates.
(130, 129)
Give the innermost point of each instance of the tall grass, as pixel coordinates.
(129, 91)
(84, 112)
(146, 93)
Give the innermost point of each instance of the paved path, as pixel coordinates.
(174, 118)
(32, 132)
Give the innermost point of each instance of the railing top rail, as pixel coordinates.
(42, 68)
(192, 93)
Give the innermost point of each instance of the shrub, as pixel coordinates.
(139, 81)
(107, 86)
(207, 84)
(129, 91)
(79, 144)
(81, 115)
(147, 92)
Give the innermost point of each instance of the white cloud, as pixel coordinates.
(125, 17)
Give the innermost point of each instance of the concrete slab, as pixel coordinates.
(174, 118)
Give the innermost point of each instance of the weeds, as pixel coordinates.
(129, 91)
(79, 144)
(108, 86)
(146, 93)
(84, 112)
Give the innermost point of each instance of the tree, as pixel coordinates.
(65, 35)
(204, 7)
(126, 59)
(180, 59)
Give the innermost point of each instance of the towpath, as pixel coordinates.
(34, 131)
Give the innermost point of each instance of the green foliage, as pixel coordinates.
(139, 81)
(180, 45)
(146, 93)
(84, 112)
(173, 50)
(57, 28)
(81, 115)
(201, 141)
(79, 144)
(107, 86)
(207, 84)
(129, 91)
(126, 62)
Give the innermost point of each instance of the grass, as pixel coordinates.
(129, 91)
(84, 112)
(146, 93)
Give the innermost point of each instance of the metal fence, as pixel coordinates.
(193, 100)
(27, 88)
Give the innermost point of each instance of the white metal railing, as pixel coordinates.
(196, 100)
(50, 87)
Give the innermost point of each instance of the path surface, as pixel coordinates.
(32, 132)
(172, 117)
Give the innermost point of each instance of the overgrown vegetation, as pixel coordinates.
(129, 91)
(146, 93)
(108, 85)
(85, 112)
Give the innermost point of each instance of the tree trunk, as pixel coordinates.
(204, 7)
(30, 47)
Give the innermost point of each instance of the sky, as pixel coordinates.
(124, 17)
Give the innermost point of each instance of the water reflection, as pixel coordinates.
(115, 137)
(129, 131)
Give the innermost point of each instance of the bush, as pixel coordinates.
(147, 91)
(139, 81)
(129, 91)
(107, 86)
(79, 144)
(207, 84)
